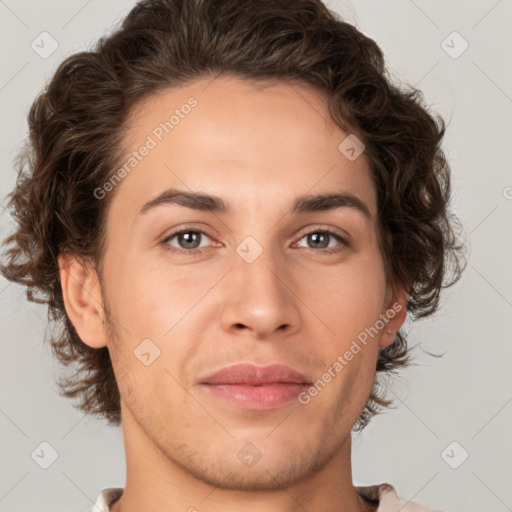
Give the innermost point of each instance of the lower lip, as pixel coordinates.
(265, 396)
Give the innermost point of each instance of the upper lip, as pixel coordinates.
(250, 374)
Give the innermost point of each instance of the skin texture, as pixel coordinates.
(296, 304)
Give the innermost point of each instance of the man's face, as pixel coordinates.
(269, 286)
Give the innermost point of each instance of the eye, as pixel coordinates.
(188, 241)
(325, 239)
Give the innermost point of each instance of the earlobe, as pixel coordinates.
(82, 299)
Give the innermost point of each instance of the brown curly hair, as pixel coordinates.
(78, 123)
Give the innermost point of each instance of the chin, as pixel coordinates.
(250, 471)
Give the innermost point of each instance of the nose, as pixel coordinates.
(260, 297)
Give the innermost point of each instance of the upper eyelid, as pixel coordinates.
(343, 237)
(186, 230)
(333, 231)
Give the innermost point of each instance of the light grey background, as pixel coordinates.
(465, 397)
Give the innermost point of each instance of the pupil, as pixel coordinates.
(188, 238)
(316, 236)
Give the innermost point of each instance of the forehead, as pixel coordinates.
(253, 144)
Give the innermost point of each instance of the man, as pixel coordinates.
(231, 211)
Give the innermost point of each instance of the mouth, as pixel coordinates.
(256, 387)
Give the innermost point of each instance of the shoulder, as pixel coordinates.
(385, 495)
(105, 498)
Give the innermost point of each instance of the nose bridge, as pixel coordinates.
(259, 269)
(259, 297)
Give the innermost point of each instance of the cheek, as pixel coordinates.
(148, 299)
(350, 298)
(153, 299)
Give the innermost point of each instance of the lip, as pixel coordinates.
(256, 387)
(256, 375)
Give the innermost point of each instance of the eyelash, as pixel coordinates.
(344, 243)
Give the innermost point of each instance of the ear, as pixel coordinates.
(82, 299)
(394, 315)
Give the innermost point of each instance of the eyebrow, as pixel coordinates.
(206, 202)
